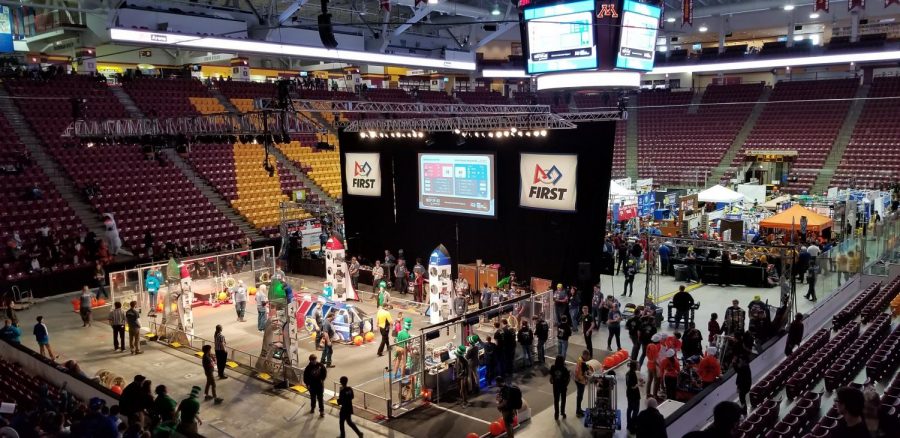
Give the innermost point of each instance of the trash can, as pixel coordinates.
(681, 272)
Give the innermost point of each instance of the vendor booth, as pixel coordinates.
(719, 195)
(792, 218)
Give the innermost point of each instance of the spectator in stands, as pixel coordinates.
(84, 307)
(709, 367)
(795, 334)
(95, 424)
(650, 423)
(132, 318)
(850, 403)
(130, 399)
(189, 410)
(163, 406)
(42, 336)
(10, 332)
(208, 370)
(726, 417)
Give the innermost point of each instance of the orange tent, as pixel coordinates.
(783, 220)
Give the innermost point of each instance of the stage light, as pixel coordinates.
(513, 130)
(543, 133)
(362, 135)
(670, 20)
(506, 133)
(491, 134)
(421, 134)
(456, 131)
(90, 144)
(519, 133)
(528, 134)
(372, 134)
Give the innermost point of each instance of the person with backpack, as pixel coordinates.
(509, 400)
(526, 339)
(559, 378)
(542, 332)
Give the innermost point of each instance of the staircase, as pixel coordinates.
(307, 182)
(695, 103)
(63, 184)
(841, 141)
(212, 195)
(224, 100)
(126, 101)
(631, 144)
(718, 172)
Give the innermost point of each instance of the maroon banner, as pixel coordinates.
(853, 4)
(891, 2)
(386, 5)
(662, 14)
(821, 5)
(687, 13)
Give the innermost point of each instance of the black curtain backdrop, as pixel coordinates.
(541, 243)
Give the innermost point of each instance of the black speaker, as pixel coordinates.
(584, 272)
(326, 32)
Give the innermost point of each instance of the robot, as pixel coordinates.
(337, 271)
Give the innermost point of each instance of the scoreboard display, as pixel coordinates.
(561, 37)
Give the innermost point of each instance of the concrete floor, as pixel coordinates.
(281, 411)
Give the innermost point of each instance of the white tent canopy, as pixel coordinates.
(718, 193)
(617, 190)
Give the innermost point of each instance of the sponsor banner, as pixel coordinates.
(548, 181)
(646, 203)
(363, 174)
(687, 13)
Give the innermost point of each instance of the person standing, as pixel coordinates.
(117, 322)
(725, 269)
(240, 300)
(561, 302)
(621, 257)
(596, 302)
(509, 350)
(10, 332)
(377, 275)
(314, 378)
(401, 273)
(559, 379)
(693, 341)
(389, 263)
(581, 379)
(670, 370)
(850, 404)
(189, 414)
(563, 332)
(384, 321)
(509, 400)
(132, 319)
(526, 339)
(588, 325)
(713, 328)
(164, 406)
(648, 329)
(744, 378)
(328, 341)
(632, 393)
(682, 302)
(650, 423)
(152, 283)
(630, 273)
(208, 370)
(354, 273)
(542, 332)
(652, 376)
(85, 306)
(100, 278)
(812, 275)
(461, 369)
(664, 252)
(795, 334)
(221, 353)
(633, 325)
(262, 307)
(500, 351)
(345, 401)
(614, 324)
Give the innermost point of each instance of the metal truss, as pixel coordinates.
(445, 109)
(254, 123)
(595, 116)
(474, 123)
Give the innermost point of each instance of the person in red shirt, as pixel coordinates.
(713, 328)
(652, 354)
(709, 367)
(670, 370)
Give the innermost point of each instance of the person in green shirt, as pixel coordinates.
(401, 340)
(164, 406)
(189, 409)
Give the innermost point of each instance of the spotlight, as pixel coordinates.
(491, 134)
(519, 133)
(528, 133)
(543, 132)
(456, 131)
(372, 134)
(362, 135)
(496, 10)
(90, 144)
(506, 133)
(421, 134)
(513, 130)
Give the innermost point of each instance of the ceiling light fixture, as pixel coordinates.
(432, 2)
(788, 7)
(670, 20)
(496, 11)
(813, 16)
(703, 29)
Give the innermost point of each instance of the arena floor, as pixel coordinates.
(282, 412)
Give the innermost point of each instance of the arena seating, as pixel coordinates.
(322, 167)
(246, 90)
(427, 96)
(674, 135)
(808, 125)
(388, 95)
(166, 97)
(140, 193)
(871, 157)
(482, 97)
(20, 212)
(236, 172)
(618, 164)
(20, 387)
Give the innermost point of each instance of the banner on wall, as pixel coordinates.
(687, 13)
(853, 4)
(363, 174)
(821, 5)
(627, 212)
(548, 181)
(6, 39)
(646, 203)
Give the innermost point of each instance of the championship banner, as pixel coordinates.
(687, 13)
(821, 5)
(363, 174)
(548, 181)
(853, 4)
(662, 14)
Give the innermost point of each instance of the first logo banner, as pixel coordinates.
(363, 174)
(548, 181)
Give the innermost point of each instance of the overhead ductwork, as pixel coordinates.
(451, 9)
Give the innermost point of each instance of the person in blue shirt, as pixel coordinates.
(10, 332)
(42, 336)
(152, 283)
(664, 252)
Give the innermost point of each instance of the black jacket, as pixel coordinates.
(314, 376)
(526, 336)
(682, 301)
(650, 424)
(345, 400)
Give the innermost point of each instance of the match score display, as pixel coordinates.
(457, 183)
(637, 42)
(560, 37)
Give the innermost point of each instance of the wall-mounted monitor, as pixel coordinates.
(457, 183)
(560, 37)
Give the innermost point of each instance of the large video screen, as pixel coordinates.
(561, 37)
(457, 183)
(637, 44)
